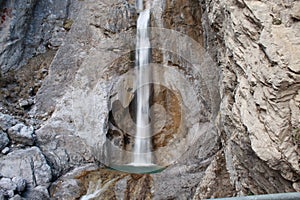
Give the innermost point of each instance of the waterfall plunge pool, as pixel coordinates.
(138, 169)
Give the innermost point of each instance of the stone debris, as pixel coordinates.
(32, 166)
(7, 184)
(39, 192)
(26, 103)
(20, 133)
(4, 141)
(17, 197)
(20, 182)
(11, 188)
(5, 150)
(7, 121)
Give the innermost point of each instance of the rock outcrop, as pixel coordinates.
(226, 99)
(260, 86)
(30, 28)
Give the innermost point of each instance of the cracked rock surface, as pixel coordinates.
(62, 65)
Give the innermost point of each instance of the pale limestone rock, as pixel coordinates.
(7, 184)
(296, 10)
(257, 45)
(32, 166)
(7, 121)
(262, 48)
(20, 133)
(4, 141)
(20, 182)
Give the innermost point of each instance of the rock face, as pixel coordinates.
(259, 90)
(225, 99)
(29, 28)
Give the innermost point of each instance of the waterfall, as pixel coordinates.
(139, 5)
(142, 148)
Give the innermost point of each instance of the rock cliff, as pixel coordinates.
(260, 91)
(226, 98)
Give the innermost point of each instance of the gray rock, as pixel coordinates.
(62, 155)
(20, 182)
(9, 193)
(24, 40)
(2, 197)
(25, 103)
(4, 141)
(81, 113)
(8, 184)
(256, 46)
(16, 197)
(22, 134)
(32, 166)
(14, 32)
(69, 186)
(5, 150)
(6, 121)
(37, 193)
(259, 59)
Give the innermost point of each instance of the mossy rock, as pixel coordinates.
(68, 24)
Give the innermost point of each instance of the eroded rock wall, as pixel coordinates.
(246, 140)
(31, 28)
(257, 47)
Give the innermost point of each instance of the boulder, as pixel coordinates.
(8, 184)
(37, 193)
(32, 166)
(7, 121)
(20, 182)
(4, 141)
(20, 133)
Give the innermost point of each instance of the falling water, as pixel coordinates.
(139, 5)
(142, 147)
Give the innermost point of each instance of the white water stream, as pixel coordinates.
(142, 148)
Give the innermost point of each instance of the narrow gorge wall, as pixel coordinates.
(257, 46)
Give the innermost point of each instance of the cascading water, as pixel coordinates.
(139, 5)
(141, 160)
(142, 148)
